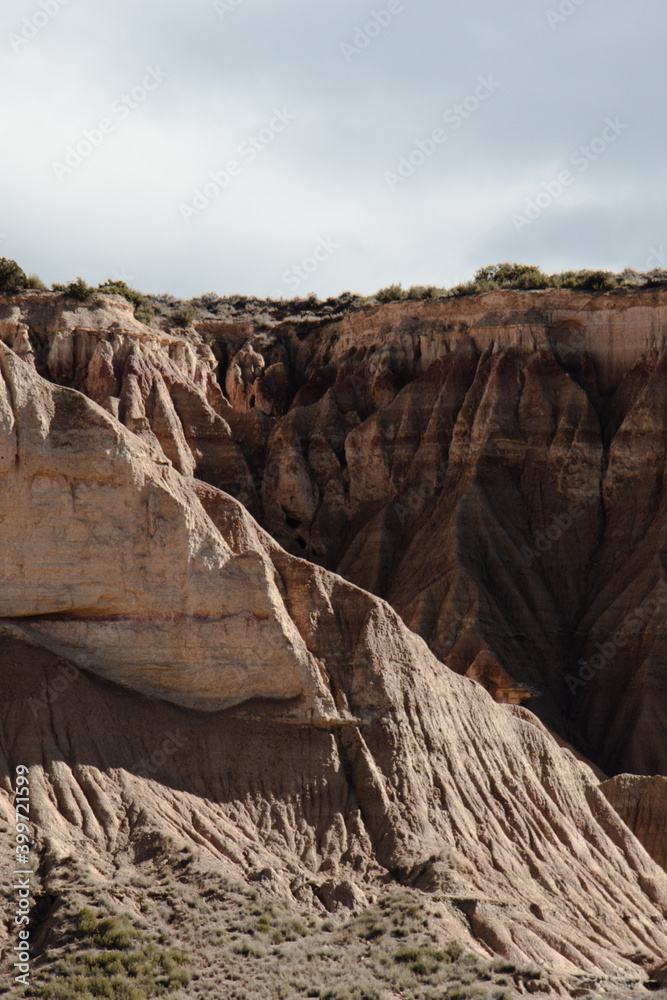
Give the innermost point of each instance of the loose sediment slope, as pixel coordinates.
(348, 755)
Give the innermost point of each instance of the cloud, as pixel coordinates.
(367, 83)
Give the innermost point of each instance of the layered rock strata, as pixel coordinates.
(491, 466)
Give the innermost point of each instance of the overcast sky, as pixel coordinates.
(355, 143)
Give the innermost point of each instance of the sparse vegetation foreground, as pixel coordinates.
(237, 943)
(171, 928)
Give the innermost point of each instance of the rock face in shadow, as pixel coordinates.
(642, 802)
(491, 466)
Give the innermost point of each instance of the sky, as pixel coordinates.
(283, 147)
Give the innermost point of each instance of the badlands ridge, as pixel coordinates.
(395, 575)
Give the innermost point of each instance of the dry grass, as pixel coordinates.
(112, 957)
(213, 939)
(188, 934)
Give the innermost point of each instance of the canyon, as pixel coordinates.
(394, 575)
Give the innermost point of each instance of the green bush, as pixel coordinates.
(528, 276)
(454, 950)
(589, 281)
(502, 965)
(100, 986)
(530, 972)
(406, 955)
(654, 278)
(186, 316)
(373, 931)
(423, 292)
(171, 960)
(12, 277)
(426, 965)
(78, 290)
(180, 977)
(86, 922)
(390, 294)
(508, 275)
(115, 932)
(111, 962)
(34, 281)
(289, 931)
(466, 288)
(106, 967)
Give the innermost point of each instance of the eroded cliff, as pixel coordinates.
(492, 466)
(422, 453)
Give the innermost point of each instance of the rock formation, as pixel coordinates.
(488, 465)
(427, 451)
(111, 561)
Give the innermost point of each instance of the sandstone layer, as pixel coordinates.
(110, 560)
